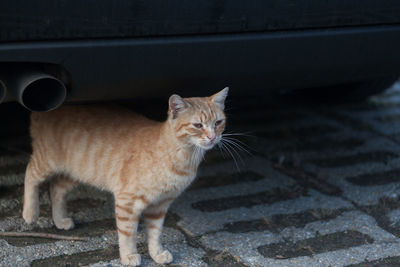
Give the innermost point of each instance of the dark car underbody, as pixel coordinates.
(104, 50)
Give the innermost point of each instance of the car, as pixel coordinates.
(86, 51)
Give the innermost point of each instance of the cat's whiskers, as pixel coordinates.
(238, 144)
(233, 146)
(234, 150)
(228, 150)
(238, 134)
(223, 153)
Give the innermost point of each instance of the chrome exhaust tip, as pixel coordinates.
(38, 91)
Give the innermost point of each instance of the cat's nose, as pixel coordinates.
(211, 136)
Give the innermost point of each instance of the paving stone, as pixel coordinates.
(222, 259)
(175, 242)
(89, 229)
(378, 178)
(362, 195)
(223, 179)
(315, 245)
(83, 213)
(248, 201)
(386, 214)
(370, 153)
(11, 191)
(380, 156)
(278, 222)
(387, 262)
(196, 222)
(80, 259)
(322, 181)
(23, 256)
(349, 121)
(12, 179)
(380, 120)
(307, 179)
(389, 118)
(12, 169)
(246, 244)
(340, 142)
(54, 252)
(9, 207)
(394, 217)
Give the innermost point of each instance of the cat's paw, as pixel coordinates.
(131, 259)
(30, 214)
(163, 257)
(64, 223)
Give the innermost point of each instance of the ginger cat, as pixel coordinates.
(144, 163)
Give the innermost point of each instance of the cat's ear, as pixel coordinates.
(220, 97)
(176, 105)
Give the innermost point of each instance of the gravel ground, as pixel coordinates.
(320, 188)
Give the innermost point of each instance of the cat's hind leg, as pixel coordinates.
(34, 175)
(59, 187)
(154, 217)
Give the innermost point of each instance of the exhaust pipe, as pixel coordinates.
(37, 91)
(2, 91)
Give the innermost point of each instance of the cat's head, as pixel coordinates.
(198, 121)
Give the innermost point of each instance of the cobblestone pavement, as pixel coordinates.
(321, 188)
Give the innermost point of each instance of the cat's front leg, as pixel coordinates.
(128, 209)
(154, 217)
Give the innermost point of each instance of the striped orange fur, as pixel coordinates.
(125, 233)
(144, 163)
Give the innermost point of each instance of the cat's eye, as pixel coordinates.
(218, 122)
(198, 125)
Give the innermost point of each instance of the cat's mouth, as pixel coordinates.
(208, 145)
